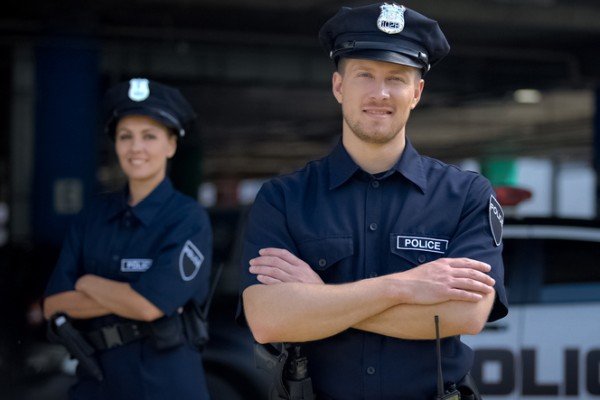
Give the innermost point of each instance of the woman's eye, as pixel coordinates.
(123, 136)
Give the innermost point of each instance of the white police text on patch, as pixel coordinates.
(391, 18)
(421, 243)
(135, 264)
(190, 252)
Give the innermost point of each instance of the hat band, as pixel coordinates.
(167, 118)
(347, 47)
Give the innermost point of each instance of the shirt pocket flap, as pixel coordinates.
(320, 254)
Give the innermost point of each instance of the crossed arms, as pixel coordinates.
(292, 304)
(95, 296)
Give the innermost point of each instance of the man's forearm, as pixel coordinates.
(411, 321)
(75, 304)
(298, 312)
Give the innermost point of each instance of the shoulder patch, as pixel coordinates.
(496, 220)
(190, 261)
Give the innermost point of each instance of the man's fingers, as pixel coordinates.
(469, 263)
(283, 254)
(463, 295)
(471, 285)
(474, 275)
(267, 280)
(271, 261)
(275, 273)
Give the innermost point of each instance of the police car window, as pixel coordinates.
(571, 271)
(520, 257)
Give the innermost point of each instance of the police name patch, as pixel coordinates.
(421, 243)
(135, 264)
(496, 220)
(190, 260)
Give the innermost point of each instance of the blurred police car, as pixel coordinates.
(549, 345)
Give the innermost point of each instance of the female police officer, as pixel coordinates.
(134, 259)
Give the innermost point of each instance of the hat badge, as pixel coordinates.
(139, 89)
(391, 18)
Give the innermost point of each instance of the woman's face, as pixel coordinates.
(143, 146)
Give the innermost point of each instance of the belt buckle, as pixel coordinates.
(112, 337)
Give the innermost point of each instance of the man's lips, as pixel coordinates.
(378, 111)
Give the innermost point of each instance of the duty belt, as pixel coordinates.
(118, 334)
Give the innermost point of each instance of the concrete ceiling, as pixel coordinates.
(259, 81)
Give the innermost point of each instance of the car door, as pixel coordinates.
(560, 354)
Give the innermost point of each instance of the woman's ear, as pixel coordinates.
(172, 146)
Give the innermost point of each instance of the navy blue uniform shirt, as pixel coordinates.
(349, 225)
(162, 247)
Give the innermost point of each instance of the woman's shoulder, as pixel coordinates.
(183, 206)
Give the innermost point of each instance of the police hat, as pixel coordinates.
(145, 97)
(384, 32)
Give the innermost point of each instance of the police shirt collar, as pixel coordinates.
(146, 209)
(410, 166)
(342, 166)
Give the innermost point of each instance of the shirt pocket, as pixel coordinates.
(330, 257)
(409, 250)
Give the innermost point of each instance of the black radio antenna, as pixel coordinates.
(438, 355)
(451, 393)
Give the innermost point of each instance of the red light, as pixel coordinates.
(511, 196)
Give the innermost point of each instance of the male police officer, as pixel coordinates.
(355, 253)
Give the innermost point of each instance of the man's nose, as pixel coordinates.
(381, 90)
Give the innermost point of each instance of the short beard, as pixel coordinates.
(363, 135)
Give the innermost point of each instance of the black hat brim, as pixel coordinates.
(158, 115)
(384, 55)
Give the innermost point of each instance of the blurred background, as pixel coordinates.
(517, 99)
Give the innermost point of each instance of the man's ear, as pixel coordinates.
(336, 86)
(417, 95)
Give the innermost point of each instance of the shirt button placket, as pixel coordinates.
(373, 249)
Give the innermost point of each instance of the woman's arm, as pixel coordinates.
(118, 297)
(74, 303)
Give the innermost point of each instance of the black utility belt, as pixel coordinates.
(119, 334)
(164, 333)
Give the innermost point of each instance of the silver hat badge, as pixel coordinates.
(139, 89)
(391, 18)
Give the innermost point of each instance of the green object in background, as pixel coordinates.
(500, 171)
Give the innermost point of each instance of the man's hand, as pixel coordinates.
(445, 279)
(279, 265)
